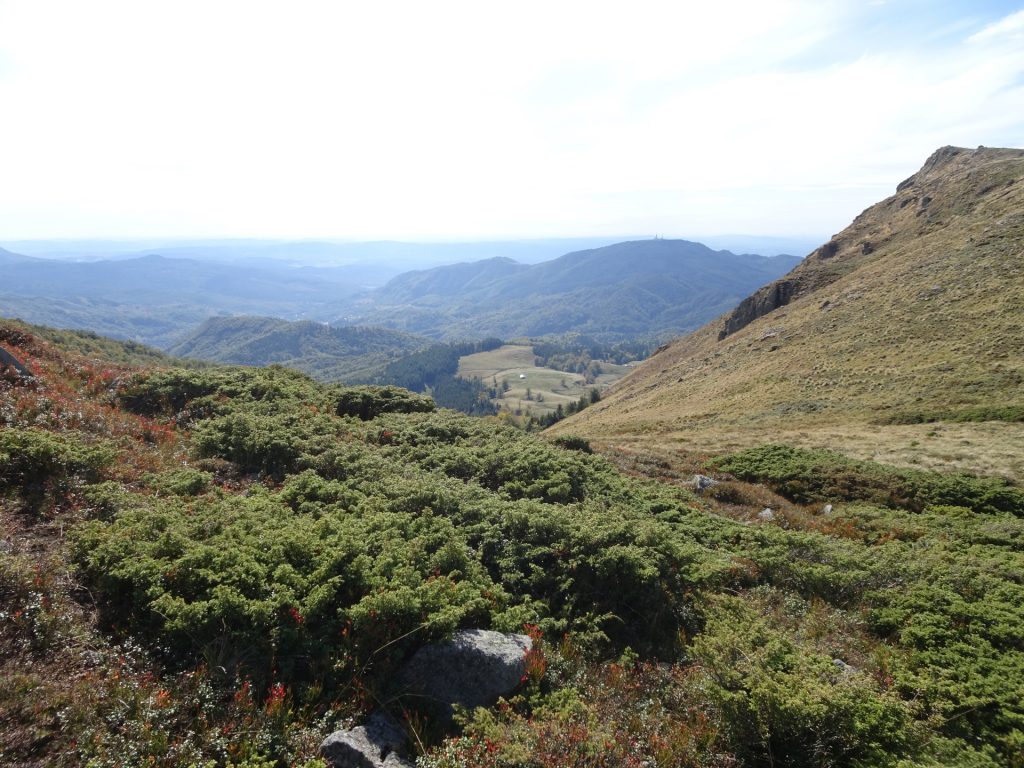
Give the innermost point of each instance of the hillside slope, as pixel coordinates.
(329, 353)
(913, 313)
(220, 566)
(620, 291)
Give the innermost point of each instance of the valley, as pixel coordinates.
(525, 389)
(792, 536)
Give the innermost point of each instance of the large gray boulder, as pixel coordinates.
(473, 669)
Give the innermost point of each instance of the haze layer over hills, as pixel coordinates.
(913, 313)
(643, 288)
(620, 291)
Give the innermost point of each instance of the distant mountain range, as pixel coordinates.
(324, 352)
(622, 291)
(637, 288)
(156, 300)
(911, 314)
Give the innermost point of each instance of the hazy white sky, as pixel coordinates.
(420, 120)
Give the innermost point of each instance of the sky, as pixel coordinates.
(466, 120)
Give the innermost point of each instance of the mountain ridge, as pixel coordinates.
(911, 312)
(830, 261)
(629, 289)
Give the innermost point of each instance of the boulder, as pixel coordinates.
(378, 743)
(473, 669)
(845, 669)
(767, 514)
(702, 482)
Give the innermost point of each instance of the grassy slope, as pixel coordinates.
(927, 318)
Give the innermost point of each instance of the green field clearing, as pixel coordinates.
(484, 365)
(548, 388)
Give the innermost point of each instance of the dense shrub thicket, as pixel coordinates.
(815, 475)
(40, 464)
(299, 541)
(1012, 413)
(391, 522)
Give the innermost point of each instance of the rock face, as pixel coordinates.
(837, 257)
(7, 360)
(472, 669)
(761, 302)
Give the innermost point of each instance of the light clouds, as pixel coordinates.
(468, 119)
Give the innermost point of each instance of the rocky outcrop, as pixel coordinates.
(759, 303)
(10, 365)
(473, 669)
(702, 482)
(872, 229)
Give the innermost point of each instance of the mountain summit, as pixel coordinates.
(913, 313)
(621, 291)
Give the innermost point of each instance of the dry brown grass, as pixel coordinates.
(931, 316)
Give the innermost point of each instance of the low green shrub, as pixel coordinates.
(806, 476)
(1010, 413)
(368, 403)
(787, 706)
(574, 443)
(36, 464)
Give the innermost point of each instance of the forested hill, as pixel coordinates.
(328, 353)
(621, 291)
(453, 280)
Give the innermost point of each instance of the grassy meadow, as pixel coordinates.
(546, 388)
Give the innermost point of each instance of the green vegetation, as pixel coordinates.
(40, 465)
(325, 352)
(224, 563)
(85, 343)
(577, 354)
(433, 370)
(532, 396)
(593, 396)
(807, 476)
(976, 413)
